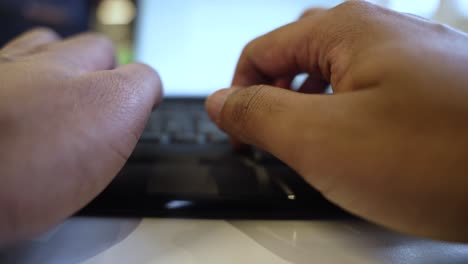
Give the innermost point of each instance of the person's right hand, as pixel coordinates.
(392, 144)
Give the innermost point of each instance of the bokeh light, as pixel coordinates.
(116, 12)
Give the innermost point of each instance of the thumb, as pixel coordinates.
(306, 131)
(264, 116)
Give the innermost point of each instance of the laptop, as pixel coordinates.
(183, 165)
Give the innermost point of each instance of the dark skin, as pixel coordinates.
(70, 119)
(391, 145)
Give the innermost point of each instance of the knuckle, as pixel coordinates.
(355, 5)
(312, 12)
(44, 32)
(148, 71)
(358, 9)
(140, 75)
(5, 57)
(152, 77)
(250, 47)
(440, 28)
(359, 16)
(101, 40)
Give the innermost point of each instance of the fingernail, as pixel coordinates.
(216, 101)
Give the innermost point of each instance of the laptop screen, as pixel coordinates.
(195, 44)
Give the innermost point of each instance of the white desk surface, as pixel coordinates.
(109, 240)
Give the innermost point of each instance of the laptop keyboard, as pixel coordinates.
(184, 166)
(182, 122)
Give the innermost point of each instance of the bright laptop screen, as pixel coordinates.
(195, 44)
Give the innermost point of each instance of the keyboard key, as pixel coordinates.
(184, 138)
(262, 157)
(217, 138)
(206, 126)
(156, 123)
(182, 122)
(151, 136)
(165, 139)
(179, 123)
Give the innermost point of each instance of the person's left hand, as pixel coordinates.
(68, 123)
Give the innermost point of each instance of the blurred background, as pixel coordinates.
(117, 18)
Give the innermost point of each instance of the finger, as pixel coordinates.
(310, 133)
(316, 45)
(274, 55)
(236, 142)
(239, 112)
(313, 85)
(85, 53)
(267, 117)
(30, 41)
(313, 45)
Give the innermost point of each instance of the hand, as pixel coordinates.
(392, 144)
(68, 121)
